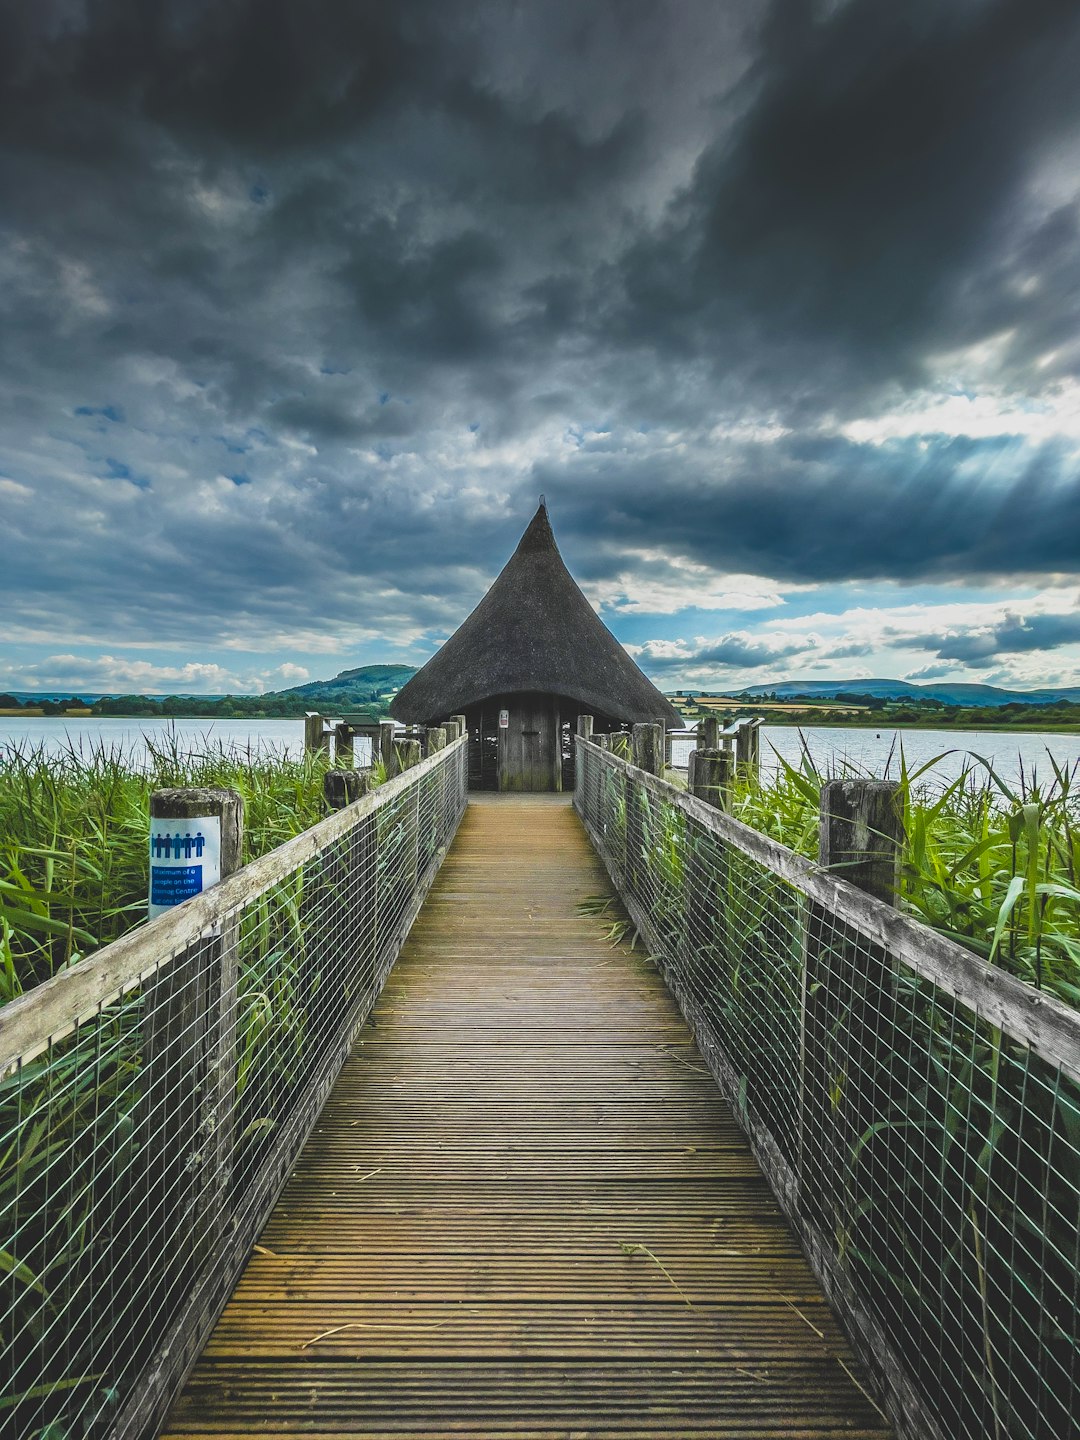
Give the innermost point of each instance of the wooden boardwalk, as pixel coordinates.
(525, 1211)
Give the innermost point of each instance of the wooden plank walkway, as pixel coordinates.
(525, 1211)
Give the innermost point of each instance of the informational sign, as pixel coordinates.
(504, 719)
(185, 860)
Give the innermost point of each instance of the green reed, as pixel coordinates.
(74, 838)
(991, 864)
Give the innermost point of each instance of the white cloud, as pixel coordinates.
(110, 673)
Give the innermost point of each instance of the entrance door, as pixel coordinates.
(529, 750)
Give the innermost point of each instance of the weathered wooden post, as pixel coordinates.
(189, 1028)
(315, 737)
(343, 745)
(860, 834)
(585, 726)
(604, 741)
(342, 787)
(849, 1058)
(385, 752)
(406, 755)
(748, 749)
(462, 725)
(435, 739)
(708, 733)
(710, 777)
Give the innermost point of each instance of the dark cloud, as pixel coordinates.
(827, 509)
(736, 651)
(301, 306)
(1014, 635)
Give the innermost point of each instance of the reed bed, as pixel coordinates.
(991, 864)
(74, 838)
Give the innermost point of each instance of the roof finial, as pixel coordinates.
(543, 502)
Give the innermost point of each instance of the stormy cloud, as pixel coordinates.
(301, 307)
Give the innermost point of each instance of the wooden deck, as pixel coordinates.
(525, 1211)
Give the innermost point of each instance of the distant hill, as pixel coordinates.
(947, 691)
(351, 687)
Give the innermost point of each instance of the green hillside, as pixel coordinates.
(369, 685)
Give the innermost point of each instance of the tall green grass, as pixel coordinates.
(991, 864)
(74, 838)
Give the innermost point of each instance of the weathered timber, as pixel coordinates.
(385, 751)
(525, 1210)
(435, 739)
(342, 787)
(860, 834)
(316, 736)
(708, 730)
(710, 777)
(184, 1118)
(406, 755)
(748, 747)
(647, 747)
(343, 745)
(585, 726)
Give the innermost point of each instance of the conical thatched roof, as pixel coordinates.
(533, 630)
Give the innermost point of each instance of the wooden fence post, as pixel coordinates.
(435, 739)
(343, 745)
(747, 749)
(647, 748)
(342, 787)
(849, 1061)
(860, 833)
(189, 1047)
(708, 733)
(385, 751)
(585, 726)
(314, 737)
(709, 777)
(406, 755)
(462, 725)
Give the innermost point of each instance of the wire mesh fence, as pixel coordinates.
(155, 1096)
(916, 1110)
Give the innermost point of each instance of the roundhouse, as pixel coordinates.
(530, 658)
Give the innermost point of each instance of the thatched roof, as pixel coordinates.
(533, 630)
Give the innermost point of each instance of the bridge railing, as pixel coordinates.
(916, 1110)
(154, 1099)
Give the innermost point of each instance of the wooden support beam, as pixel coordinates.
(585, 726)
(647, 744)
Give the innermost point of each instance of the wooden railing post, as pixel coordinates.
(189, 1029)
(315, 736)
(343, 745)
(709, 777)
(848, 1053)
(585, 726)
(748, 749)
(342, 787)
(385, 751)
(708, 733)
(647, 748)
(406, 755)
(860, 834)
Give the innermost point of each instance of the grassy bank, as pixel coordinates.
(74, 837)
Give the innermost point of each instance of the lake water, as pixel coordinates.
(872, 752)
(877, 752)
